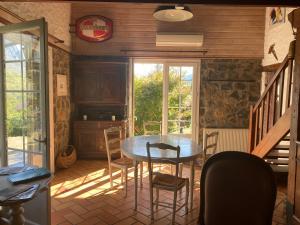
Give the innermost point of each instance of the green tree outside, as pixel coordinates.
(148, 92)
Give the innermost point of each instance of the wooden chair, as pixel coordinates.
(166, 182)
(113, 138)
(210, 142)
(236, 188)
(152, 128)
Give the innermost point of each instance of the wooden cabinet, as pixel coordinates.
(89, 138)
(99, 82)
(113, 84)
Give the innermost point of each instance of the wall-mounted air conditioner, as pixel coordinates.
(179, 39)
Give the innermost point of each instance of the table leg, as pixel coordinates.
(192, 178)
(16, 215)
(136, 164)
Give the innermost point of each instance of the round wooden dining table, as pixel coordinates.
(135, 148)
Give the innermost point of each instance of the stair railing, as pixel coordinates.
(274, 101)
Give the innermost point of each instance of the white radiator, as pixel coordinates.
(230, 139)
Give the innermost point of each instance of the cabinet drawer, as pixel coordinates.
(112, 123)
(86, 124)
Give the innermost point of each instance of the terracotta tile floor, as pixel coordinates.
(82, 195)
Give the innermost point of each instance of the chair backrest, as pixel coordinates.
(163, 147)
(210, 143)
(238, 189)
(152, 128)
(113, 136)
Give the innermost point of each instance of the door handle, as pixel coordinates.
(41, 140)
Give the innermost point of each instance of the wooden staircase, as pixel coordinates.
(278, 158)
(270, 117)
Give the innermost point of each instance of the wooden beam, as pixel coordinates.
(7, 17)
(211, 2)
(293, 196)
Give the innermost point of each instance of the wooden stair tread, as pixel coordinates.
(273, 155)
(282, 147)
(284, 161)
(280, 169)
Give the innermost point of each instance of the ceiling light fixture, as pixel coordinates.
(177, 13)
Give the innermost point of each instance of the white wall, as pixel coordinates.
(280, 34)
(58, 16)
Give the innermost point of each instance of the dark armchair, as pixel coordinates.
(236, 189)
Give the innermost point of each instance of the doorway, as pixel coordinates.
(23, 90)
(166, 92)
(24, 112)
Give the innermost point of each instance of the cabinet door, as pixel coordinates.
(86, 83)
(113, 83)
(87, 88)
(87, 143)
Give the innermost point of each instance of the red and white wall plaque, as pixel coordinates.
(94, 28)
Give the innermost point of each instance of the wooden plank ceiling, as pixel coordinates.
(215, 2)
(229, 32)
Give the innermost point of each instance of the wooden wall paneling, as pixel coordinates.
(229, 32)
(212, 2)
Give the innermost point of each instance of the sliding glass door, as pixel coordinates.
(23, 130)
(180, 100)
(166, 92)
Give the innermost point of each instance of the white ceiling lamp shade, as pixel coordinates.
(176, 13)
(179, 40)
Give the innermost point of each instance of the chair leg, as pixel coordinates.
(122, 176)
(126, 172)
(180, 169)
(157, 198)
(110, 176)
(187, 189)
(141, 173)
(151, 202)
(174, 207)
(180, 175)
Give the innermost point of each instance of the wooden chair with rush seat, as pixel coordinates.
(113, 137)
(164, 181)
(210, 142)
(152, 128)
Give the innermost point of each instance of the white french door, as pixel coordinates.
(23, 94)
(168, 92)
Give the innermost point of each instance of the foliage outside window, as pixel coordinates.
(148, 92)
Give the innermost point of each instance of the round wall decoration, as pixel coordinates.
(94, 28)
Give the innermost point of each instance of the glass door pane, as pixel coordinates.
(24, 91)
(148, 96)
(180, 99)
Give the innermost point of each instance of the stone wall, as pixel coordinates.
(227, 89)
(62, 105)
